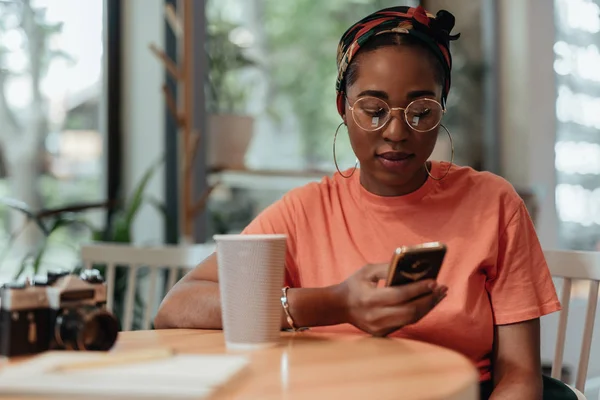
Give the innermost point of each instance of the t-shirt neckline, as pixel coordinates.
(363, 195)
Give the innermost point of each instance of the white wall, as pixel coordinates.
(143, 108)
(527, 102)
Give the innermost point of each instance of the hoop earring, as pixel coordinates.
(335, 159)
(451, 159)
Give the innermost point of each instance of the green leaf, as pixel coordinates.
(158, 205)
(62, 221)
(38, 256)
(23, 266)
(37, 261)
(121, 230)
(98, 235)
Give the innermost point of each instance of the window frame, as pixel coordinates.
(113, 103)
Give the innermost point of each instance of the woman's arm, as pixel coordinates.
(516, 364)
(194, 302)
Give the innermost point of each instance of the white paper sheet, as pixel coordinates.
(180, 376)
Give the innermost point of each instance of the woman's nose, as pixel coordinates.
(396, 130)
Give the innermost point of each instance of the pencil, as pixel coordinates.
(114, 359)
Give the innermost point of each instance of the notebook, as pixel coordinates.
(182, 376)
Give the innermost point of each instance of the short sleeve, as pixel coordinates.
(278, 218)
(522, 287)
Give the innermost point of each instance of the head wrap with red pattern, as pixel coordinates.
(433, 31)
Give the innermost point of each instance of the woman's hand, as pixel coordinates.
(383, 310)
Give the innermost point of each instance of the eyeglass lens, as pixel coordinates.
(372, 113)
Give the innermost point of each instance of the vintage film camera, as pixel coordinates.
(58, 311)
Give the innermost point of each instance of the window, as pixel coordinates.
(577, 149)
(275, 63)
(52, 143)
(271, 99)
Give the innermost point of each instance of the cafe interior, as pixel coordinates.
(134, 131)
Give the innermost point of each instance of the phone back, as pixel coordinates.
(412, 264)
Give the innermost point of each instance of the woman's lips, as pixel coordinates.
(395, 161)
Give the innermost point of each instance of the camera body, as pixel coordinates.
(58, 311)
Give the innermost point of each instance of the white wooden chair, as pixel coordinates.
(175, 259)
(575, 265)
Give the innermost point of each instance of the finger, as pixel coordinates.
(442, 291)
(421, 307)
(376, 272)
(398, 295)
(395, 317)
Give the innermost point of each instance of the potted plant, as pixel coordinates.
(230, 129)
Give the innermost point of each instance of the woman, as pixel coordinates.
(394, 78)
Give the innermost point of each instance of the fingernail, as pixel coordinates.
(440, 290)
(440, 298)
(444, 289)
(432, 285)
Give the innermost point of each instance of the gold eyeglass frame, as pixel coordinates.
(392, 109)
(351, 108)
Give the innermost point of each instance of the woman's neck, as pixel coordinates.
(388, 190)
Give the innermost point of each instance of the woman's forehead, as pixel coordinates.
(395, 71)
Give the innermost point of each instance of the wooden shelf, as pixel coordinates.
(273, 172)
(276, 180)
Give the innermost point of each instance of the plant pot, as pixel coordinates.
(229, 136)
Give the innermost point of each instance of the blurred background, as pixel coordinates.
(91, 148)
(84, 118)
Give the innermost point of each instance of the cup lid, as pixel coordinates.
(276, 236)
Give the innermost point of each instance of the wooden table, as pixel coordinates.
(322, 366)
(315, 366)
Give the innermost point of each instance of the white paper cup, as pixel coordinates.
(251, 275)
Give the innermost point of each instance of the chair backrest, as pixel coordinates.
(174, 259)
(575, 265)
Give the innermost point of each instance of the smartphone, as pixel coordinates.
(415, 263)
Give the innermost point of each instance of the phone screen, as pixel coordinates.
(413, 264)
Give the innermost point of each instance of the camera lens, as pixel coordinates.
(86, 329)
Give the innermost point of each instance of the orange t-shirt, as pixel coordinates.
(494, 268)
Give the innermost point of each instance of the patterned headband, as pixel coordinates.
(433, 31)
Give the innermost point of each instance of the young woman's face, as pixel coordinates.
(392, 158)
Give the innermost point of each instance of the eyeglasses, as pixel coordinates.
(372, 113)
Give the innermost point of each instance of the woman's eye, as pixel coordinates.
(374, 112)
(422, 113)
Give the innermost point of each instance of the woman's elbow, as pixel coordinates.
(161, 320)
(166, 314)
